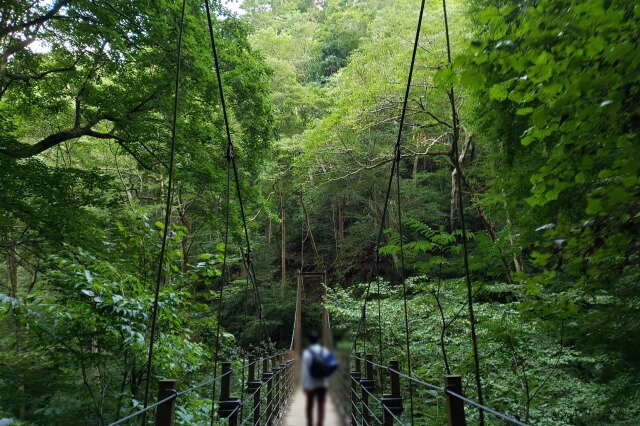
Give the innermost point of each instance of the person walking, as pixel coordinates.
(317, 365)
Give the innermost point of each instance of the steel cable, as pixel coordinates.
(231, 161)
(167, 217)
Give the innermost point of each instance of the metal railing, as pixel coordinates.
(266, 385)
(263, 394)
(370, 406)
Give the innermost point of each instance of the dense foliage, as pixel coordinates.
(85, 121)
(546, 97)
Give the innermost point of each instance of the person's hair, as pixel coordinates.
(313, 336)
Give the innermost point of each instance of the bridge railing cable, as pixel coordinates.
(144, 410)
(265, 395)
(368, 404)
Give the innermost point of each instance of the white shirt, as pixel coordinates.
(306, 380)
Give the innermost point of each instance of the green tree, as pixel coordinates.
(562, 131)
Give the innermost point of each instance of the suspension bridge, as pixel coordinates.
(263, 389)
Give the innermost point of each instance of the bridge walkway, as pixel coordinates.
(294, 414)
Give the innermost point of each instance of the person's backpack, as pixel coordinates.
(323, 364)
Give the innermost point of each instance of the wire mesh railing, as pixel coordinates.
(254, 393)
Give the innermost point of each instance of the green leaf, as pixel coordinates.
(472, 79)
(444, 77)
(594, 205)
(552, 194)
(525, 111)
(498, 92)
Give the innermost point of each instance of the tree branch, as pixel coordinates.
(387, 160)
(36, 21)
(39, 76)
(50, 141)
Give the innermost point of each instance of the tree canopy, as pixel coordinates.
(541, 98)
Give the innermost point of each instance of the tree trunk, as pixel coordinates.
(283, 240)
(489, 226)
(517, 254)
(340, 218)
(184, 243)
(12, 269)
(416, 159)
(453, 210)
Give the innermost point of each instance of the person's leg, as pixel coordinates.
(322, 396)
(310, 397)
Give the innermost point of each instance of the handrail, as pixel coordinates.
(144, 410)
(225, 375)
(357, 383)
(486, 409)
(274, 389)
(413, 379)
(174, 396)
(203, 384)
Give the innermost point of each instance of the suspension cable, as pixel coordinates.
(375, 269)
(395, 168)
(229, 157)
(397, 159)
(463, 228)
(231, 161)
(167, 216)
(223, 278)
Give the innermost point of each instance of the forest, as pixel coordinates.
(486, 211)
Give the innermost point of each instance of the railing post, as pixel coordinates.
(355, 379)
(253, 388)
(228, 405)
(367, 385)
(392, 404)
(267, 378)
(455, 406)
(277, 385)
(292, 376)
(283, 384)
(166, 412)
(286, 383)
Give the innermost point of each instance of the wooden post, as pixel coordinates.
(165, 414)
(284, 371)
(228, 405)
(266, 378)
(355, 379)
(291, 376)
(392, 404)
(455, 406)
(253, 388)
(277, 385)
(288, 380)
(368, 386)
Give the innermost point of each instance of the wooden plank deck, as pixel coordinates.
(295, 412)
